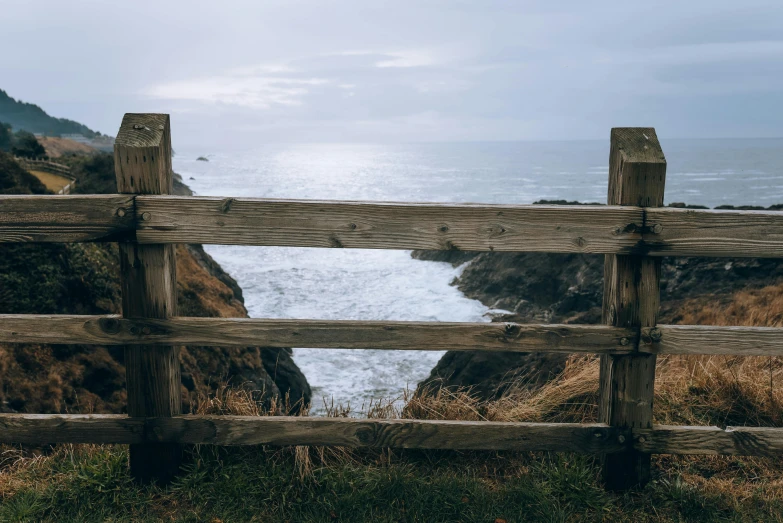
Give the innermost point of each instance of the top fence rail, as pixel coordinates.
(600, 229)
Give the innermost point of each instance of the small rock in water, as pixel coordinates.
(202, 159)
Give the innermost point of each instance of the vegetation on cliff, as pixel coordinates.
(83, 279)
(32, 118)
(20, 143)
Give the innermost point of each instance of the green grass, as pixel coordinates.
(87, 483)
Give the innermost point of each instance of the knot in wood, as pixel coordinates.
(365, 435)
(444, 228)
(511, 329)
(496, 230)
(225, 205)
(109, 325)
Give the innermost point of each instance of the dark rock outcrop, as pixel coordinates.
(568, 288)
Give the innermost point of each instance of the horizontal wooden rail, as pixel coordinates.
(720, 233)
(366, 225)
(708, 339)
(347, 334)
(65, 218)
(737, 441)
(395, 335)
(43, 165)
(378, 225)
(37, 429)
(281, 430)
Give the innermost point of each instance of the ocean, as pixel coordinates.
(286, 282)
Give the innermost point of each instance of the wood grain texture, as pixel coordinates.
(604, 229)
(696, 232)
(366, 225)
(142, 163)
(142, 154)
(347, 334)
(282, 430)
(637, 175)
(65, 218)
(39, 429)
(707, 339)
(738, 441)
(376, 225)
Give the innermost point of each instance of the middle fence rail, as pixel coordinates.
(391, 335)
(634, 234)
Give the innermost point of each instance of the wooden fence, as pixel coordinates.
(633, 231)
(36, 164)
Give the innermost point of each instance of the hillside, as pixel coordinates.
(32, 118)
(15, 180)
(57, 147)
(83, 279)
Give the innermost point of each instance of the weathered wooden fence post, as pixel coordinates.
(637, 175)
(142, 162)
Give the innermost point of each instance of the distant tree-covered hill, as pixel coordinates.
(31, 118)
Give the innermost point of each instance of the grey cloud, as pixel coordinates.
(245, 71)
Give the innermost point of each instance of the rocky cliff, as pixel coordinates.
(568, 288)
(83, 279)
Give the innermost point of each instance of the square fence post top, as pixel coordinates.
(143, 130)
(637, 144)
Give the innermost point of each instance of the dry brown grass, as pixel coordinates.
(205, 295)
(230, 401)
(53, 182)
(725, 390)
(689, 390)
(698, 390)
(57, 147)
(759, 307)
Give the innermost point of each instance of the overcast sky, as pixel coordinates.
(244, 72)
